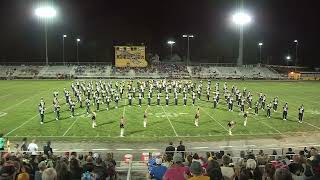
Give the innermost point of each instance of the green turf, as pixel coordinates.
(19, 100)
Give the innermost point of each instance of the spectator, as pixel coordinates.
(253, 169)
(189, 161)
(158, 171)
(62, 170)
(24, 145)
(269, 171)
(49, 174)
(47, 150)
(75, 169)
(315, 164)
(282, 174)
(227, 171)
(100, 170)
(196, 172)
(214, 170)
(296, 171)
(7, 172)
(177, 171)
(33, 148)
(2, 141)
(290, 153)
(181, 148)
(23, 174)
(170, 149)
(168, 160)
(88, 166)
(42, 166)
(111, 166)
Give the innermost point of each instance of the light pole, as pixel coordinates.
(288, 58)
(78, 41)
(188, 36)
(241, 19)
(297, 43)
(260, 44)
(171, 43)
(45, 13)
(64, 62)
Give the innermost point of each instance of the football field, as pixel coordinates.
(19, 116)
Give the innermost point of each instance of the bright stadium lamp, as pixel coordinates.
(78, 41)
(241, 19)
(45, 13)
(260, 44)
(63, 37)
(297, 44)
(188, 36)
(288, 57)
(171, 43)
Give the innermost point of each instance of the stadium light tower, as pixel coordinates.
(63, 36)
(78, 41)
(188, 36)
(297, 43)
(171, 43)
(288, 58)
(260, 44)
(241, 19)
(46, 13)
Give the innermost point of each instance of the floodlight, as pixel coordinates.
(45, 12)
(296, 41)
(260, 44)
(78, 40)
(288, 57)
(241, 18)
(64, 35)
(171, 42)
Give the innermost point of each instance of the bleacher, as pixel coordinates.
(53, 72)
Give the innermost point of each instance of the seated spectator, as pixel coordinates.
(315, 164)
(158, 171)
(282, 174)
(88, 166)
(296, 171)
(100, 170)
(227, 171)
(42, 166)
(196, 172)
(177, 171)
(75, 169)
(214, 170)
(167, 160)
(49, 174)
(188, 161)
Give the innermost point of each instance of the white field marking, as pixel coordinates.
(199, 148)
(100, 149)
(5, 95)
(150, 149)
(215, 135)
(169, 121)
(3, 114)
(6, 135)
(72, 125)
(214, 119)
(124, 107)
(25, 123)
(268, 125)
(124, 149)
(225, 147)
(17, 104)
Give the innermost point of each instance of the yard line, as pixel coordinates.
(17, 104)
(261, 121)
(23, 123)
(20, 125)
(169, 121)
(215, 120)
(70, 126)
(124, 107)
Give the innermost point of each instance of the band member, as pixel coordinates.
(158, 99)
(231, 125)
(145, 119)
(93, 118)
(87, 105)
(41, 112)
(167, 99)
(250, 101)
(269, 110)
(140, 99)
(107, 102)
(176, 98)
(122, 123)
(130, 99)
(197, 116)
(245, 116)
(285, 112)
(230, 104)
(263, 102)
(256, 108)
(301, 111)
(208, 94)
(275, 104)
(72, 106)
(57, 112)
(242, 105)
(116, 100)
(149, 98)
(98, 103)
(215, 102)
(185, 100)
(193, 98)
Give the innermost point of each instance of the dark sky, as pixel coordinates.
(101, 24)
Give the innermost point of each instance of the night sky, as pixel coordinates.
(101, 24)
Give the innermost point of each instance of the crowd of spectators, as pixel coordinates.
(27, 163)
(179, 165)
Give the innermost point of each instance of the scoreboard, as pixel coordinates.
(130, 56)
